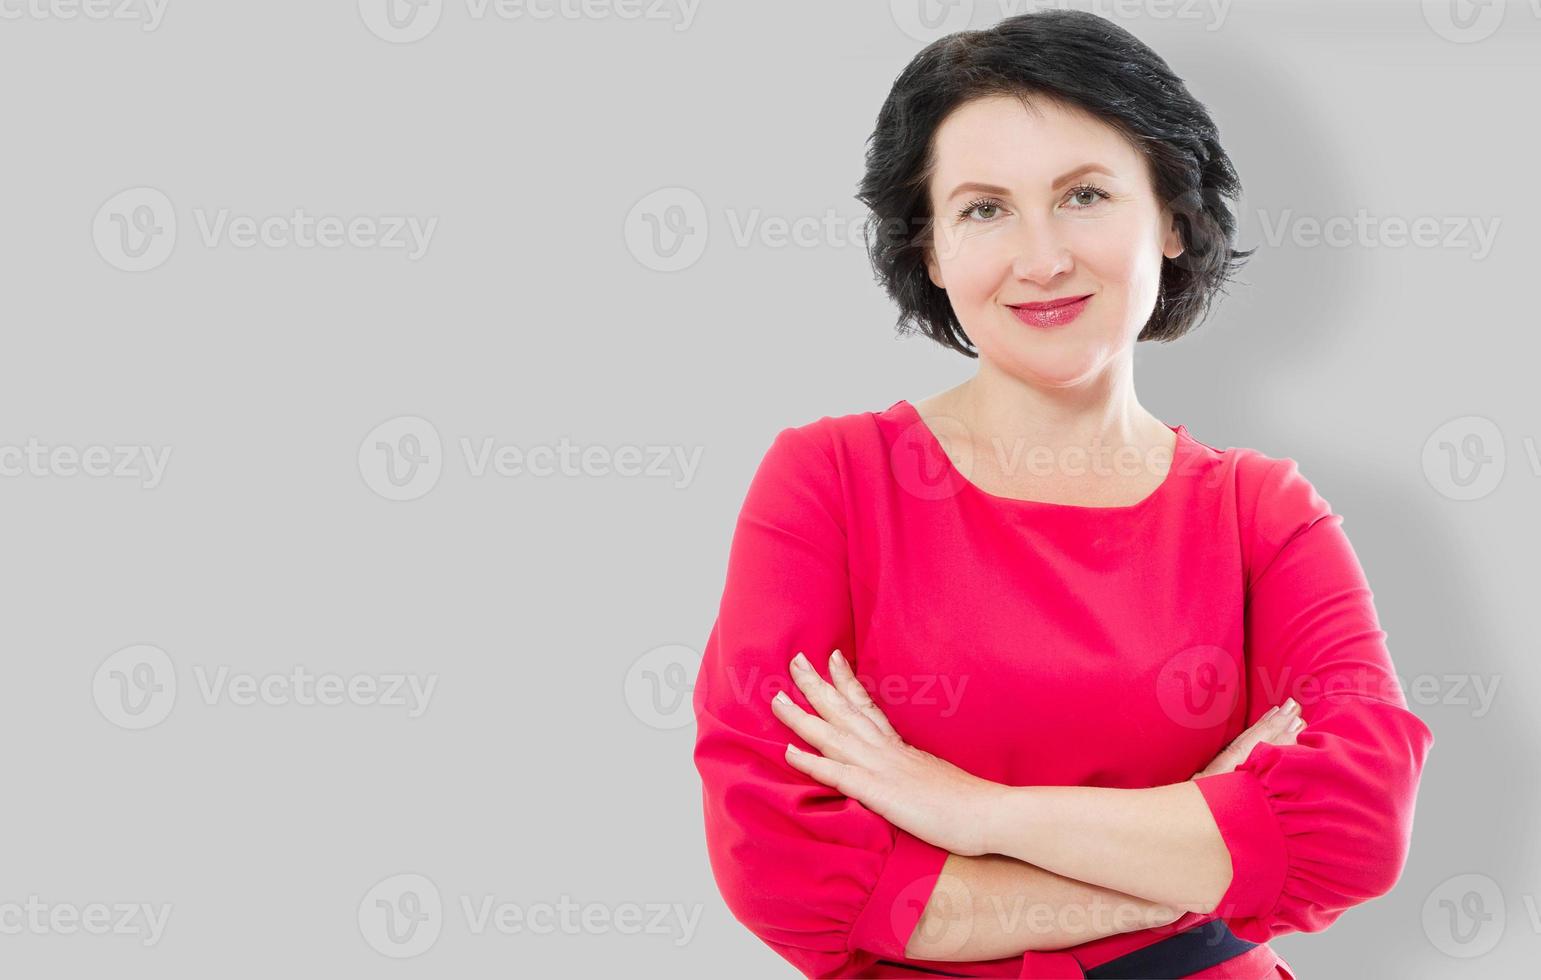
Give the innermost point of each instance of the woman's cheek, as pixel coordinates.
(1108, 249)
(981, 266)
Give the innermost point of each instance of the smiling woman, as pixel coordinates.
(1142, 773)
(1003, 255)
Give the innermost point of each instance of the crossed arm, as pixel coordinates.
(1031, 867)
(993, 906)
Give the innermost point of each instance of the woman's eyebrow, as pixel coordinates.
(1085, 168)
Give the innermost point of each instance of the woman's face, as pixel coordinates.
(1070, 211)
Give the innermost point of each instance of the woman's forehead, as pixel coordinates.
(986, 126)
(999, 141)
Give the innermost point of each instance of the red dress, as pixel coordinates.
(1033, 643)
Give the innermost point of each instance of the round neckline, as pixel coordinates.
(1178, 447)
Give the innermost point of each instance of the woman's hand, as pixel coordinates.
(864, 758)
(1277, 725)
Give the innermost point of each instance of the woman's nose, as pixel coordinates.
(1039, 253)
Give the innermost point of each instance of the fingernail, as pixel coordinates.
(781, 696)
(1297, 724)
(838, 657)
(1290, 705)
(801, 661)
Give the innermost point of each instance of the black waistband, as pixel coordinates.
(1178, 955)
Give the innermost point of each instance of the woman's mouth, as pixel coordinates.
(1053, 313)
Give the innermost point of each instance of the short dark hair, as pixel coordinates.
(1073, 58)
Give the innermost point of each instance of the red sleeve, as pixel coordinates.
(1316, 827)
(826, 883)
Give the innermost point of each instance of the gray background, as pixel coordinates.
(545, 764)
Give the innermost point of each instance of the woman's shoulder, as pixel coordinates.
(1274, 499)
(851, 433)
(1266, 479)
(834, 456)
(1252, 469)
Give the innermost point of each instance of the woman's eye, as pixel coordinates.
(984, 211)
(1090, 194)
(979, 207)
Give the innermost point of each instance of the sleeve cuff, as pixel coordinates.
(899, 898)
(1252, 835)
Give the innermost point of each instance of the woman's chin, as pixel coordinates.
(1064, 370)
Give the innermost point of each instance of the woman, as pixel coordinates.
(1107, 701)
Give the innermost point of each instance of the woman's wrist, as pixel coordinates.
(1007, 822)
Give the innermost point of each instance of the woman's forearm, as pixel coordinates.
(1159, 843)
(994, 906)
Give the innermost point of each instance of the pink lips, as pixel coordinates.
(1051, 314)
